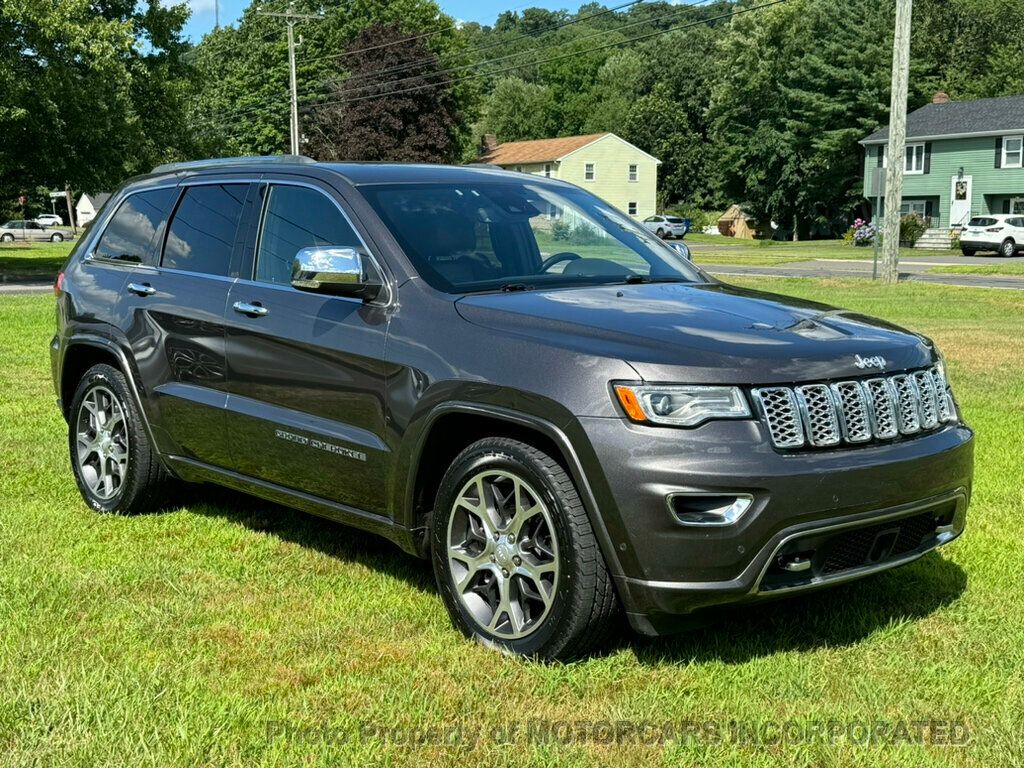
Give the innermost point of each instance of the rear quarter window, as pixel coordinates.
(201, 237)
(131, 234)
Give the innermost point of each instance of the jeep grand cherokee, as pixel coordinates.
(506, 375)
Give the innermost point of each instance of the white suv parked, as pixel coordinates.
(999, 232)
(666, 226)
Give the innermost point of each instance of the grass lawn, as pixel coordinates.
(1012, 269)
(37, 261)
(213, 633)
(712, 249)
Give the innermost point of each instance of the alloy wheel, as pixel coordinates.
(101, 442)
(503, 553)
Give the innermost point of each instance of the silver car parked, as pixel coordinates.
(31, 230)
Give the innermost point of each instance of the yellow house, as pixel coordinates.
(602, 163)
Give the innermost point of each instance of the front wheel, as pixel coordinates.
(1008, 249)
(115, 466)
(57, 237)
(661, 233)
(7, 238)
(515, 558)
(968, 251)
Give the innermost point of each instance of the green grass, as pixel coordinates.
(38, 261)
(1012, 270)
(172, 639)
(711, 249)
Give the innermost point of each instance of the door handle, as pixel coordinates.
(141, 289)
(252, 310)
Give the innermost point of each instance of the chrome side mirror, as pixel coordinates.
(337, 271)
(681, 249)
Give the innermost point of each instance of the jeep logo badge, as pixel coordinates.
(876, 361)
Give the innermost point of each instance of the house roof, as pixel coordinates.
(97, 199)
(539, 150)
(985, 117)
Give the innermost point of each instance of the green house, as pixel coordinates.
(963, 158)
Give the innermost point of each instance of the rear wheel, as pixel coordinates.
(968, 251)
(115, 466)
(57, 237)
(1008, 248)
(514, 555)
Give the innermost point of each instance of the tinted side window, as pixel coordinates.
(130, 234)
(296, 218)
(202, 233)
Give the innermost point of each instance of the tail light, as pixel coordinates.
(994, 229)
(58, 284)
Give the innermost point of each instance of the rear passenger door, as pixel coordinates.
(177, 309)
(307, 373)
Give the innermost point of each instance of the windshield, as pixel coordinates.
(981, 222)
(519, 235)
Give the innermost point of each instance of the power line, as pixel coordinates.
(639, 38)
(602, 33)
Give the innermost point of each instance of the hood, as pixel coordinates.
(702, 333)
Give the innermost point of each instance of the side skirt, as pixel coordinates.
(199, 472)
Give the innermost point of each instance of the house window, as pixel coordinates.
(547, 170)
(631, 209)
(589, 172)
(917, 207)
(915, 159)
(634, 172)
(1013, 151)
(519, 169)
(1017, 205)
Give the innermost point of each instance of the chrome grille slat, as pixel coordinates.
(821, 423)
(778, 405)
(824, 415)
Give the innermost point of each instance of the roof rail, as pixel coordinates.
(216, 162)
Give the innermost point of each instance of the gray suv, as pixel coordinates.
(569, 422)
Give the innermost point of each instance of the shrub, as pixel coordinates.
(862, 233)
(584, 235)
(561, 230)
(912, 227)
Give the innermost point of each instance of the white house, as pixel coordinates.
(88, 206)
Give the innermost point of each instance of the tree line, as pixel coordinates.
(747, 101)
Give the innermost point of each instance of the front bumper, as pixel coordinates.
(800, 500)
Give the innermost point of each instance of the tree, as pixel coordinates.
(517, 110)
(371, 119)
(801, 84)
(244, 102)
(93, 91)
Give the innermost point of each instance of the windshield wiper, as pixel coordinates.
(635, 279)
(513, 287)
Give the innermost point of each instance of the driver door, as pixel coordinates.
(306, 370)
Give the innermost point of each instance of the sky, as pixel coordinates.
(484, 11)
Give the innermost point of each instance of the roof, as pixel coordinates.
(983, 117)
(538, 150)
(97, 199)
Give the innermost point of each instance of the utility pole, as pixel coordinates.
(290, 17)
(897, 141)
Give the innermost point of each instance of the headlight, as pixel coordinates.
(679, 405)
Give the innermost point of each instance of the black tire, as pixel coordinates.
(56, 237)
(7, 238)
(660, 233)
(968, 251)
(143, 480)
(1008, 248)
(583, 606)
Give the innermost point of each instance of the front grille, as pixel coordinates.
(825, 415)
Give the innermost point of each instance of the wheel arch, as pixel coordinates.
(453, 426)
(81, 353)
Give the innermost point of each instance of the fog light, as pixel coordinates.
(706, 509)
